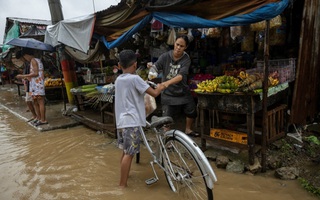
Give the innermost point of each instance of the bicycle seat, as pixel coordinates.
(159, 121)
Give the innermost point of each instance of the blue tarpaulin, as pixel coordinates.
(176, 19)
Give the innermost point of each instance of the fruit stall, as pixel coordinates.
(55, 89)
(240, 92)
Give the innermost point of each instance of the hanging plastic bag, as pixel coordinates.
(235, 32)
(278, 35)
(190, 36)
(150, 104)
(171, 37)
(213, 32)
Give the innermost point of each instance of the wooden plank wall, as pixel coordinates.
(305, 102)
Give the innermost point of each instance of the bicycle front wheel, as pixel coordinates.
(182, 171)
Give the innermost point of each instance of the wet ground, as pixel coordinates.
(78, 163)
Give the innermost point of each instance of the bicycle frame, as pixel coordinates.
(189, 143)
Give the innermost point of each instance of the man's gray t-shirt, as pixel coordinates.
(170, 69)
(129, 101)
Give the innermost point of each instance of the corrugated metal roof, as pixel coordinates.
(30, 21)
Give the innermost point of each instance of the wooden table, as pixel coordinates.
(240, 103)
(54, 93)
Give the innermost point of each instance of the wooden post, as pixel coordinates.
(265, 98)
(67, 65)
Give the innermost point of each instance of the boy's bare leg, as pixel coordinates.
(125, 169)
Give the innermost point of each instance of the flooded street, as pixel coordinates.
(78, 163)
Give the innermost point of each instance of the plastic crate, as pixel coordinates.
(229, 135)
(286, 69)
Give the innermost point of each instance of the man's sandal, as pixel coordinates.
(193, 134)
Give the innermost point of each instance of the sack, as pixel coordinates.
(175, 90)
(150, 104)
(260, 26)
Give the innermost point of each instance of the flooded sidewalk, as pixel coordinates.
(15, 103)
(78, 163)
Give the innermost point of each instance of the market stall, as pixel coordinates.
(222, 42)
(99, 100)
(238, 103)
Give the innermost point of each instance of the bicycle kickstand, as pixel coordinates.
(152, 180)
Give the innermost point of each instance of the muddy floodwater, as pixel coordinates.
(78, 163)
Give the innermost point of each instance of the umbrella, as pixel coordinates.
(30, 43)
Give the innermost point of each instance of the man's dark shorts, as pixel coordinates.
(189, 109)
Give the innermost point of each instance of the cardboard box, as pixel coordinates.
(229, 135)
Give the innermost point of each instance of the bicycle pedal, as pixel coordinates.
(151, 181)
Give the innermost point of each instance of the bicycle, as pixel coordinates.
(186, 168)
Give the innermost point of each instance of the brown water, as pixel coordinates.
(78, 163)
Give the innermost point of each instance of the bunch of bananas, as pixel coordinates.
(53, 82)
(273, 81)
(207, 86)
(222, 84)
(243, 75)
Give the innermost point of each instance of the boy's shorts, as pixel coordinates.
(129, 140)
(28, 96)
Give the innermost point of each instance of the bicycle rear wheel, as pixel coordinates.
(183, 173)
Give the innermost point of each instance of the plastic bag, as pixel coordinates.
(235, 31)
(152, 73)
(213, 32)
(171, 37)
(150, 104)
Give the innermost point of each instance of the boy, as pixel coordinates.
(130, 113)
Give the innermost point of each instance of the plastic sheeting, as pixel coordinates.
(14, 32)
(93, 55)
(176, 19)
(75, 33)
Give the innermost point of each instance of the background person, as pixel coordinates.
(28, 97)
(130, 112)
(37, 88)
(177, 96)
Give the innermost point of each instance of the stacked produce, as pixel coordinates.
(222, 84)
(85, 88)
(252, 82)
(142, 72)
(243, 82)
(53, 82)
(199, 78)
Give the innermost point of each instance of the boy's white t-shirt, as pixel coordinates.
(129, 101)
